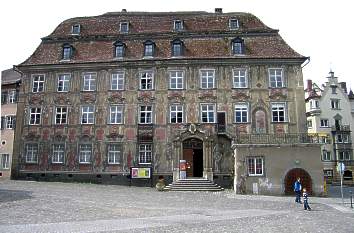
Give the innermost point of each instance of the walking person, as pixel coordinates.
(306, 200)
(297, 190)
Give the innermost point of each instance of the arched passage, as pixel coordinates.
(291, 177)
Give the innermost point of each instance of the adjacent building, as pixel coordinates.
(10, 85)
(122, 90)
(330, 113)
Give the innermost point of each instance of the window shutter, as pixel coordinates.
(3, 122)
(13, 122)
(4, 97)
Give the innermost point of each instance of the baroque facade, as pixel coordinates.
(125, 89)
(329, 110)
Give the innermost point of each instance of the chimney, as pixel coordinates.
(124, 10)
(309, 85)
(218, 10)
(343, 85)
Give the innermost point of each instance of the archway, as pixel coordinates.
(347, 175)
(291, 177)
(193, 154)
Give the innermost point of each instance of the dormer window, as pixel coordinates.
(149, 48)
(119, 49)
(75, 30)
(177, 48)
(233, 24)
(67, 52)
(178, 25)
(237, 46)
(124, 27)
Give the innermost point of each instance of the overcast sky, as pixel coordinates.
(322, 30)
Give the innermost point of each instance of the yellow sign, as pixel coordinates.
(141, 172)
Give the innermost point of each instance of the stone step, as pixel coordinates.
(193, 184)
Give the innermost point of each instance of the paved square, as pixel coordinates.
(74, 207)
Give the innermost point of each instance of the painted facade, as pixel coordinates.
(103, 94)
(330, 114)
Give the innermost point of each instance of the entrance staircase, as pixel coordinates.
(193, 184)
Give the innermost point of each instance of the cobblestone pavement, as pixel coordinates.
(28, 206)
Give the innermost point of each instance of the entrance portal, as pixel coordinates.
(291, 177)
(193, 154)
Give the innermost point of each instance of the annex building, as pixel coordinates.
(222, 91)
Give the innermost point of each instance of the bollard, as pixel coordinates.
(351, 199)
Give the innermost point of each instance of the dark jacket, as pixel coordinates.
(297, 186)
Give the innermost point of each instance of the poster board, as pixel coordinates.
(140, 172)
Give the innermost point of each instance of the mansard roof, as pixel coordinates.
(205, 35)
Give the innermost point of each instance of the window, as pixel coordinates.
(145, 153)
(314, 104)
(124, 27)
(145, 114)
(177, 48)
(58, 153)
(240, 79)
(276, 78)
(237, 46)
(4, 96)
(35, 116)
(10, 122)
(255, 166)
(324, 123)
(61, 115)
(119, 49)
(278, 112)
(5, 161)
(12, 96)
(116, 114)
(334, 90)
(85, 153)
(328, 173)
(31, 153)
(343, 138)
(117, 81)
(149, 48)
(38, 83)
(178, 25)
(67, 52)
(241, 113)
(335, 104)
(114, 153)
(75, 29)
(147, 80)
(233, 24)
(89, 81)
(324, 139)
(344, 155)
(176, 113)
(176, 79)
(63, 82)
(207, 113)
(326, 155)
(309, 124)
(87, 115)
(207, 79)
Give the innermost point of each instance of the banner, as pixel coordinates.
(141, 172)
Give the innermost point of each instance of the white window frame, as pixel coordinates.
(175, 109)
(58, 153)
(114, 152)
(323, 121)
(175, 22)
(335, 104)
(89, 82)
(31, 153)
(277, 108)
(59, 115)
(176, 80)
(231, 25)
(254, 160)
(145, 153)
(9, 121)
(309, 124)
(344, 155)
(63, 79)
(342, 138)
(328, 172)
(87, 112)
(121, 28)
(240, 78)
(37, 112)
(117, 81)
(12, 96)
(207, 109)
(148, 77)
(85, 153)
(114, 112)
(205, 76)
(5, 161)
(276, 79)
(314, 104)
(73, 32)
(148, 114)
(242, 108)
(38, 83)
(326, 155)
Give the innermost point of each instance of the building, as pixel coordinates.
(124, 89)
(10, 84)
(329, 110)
